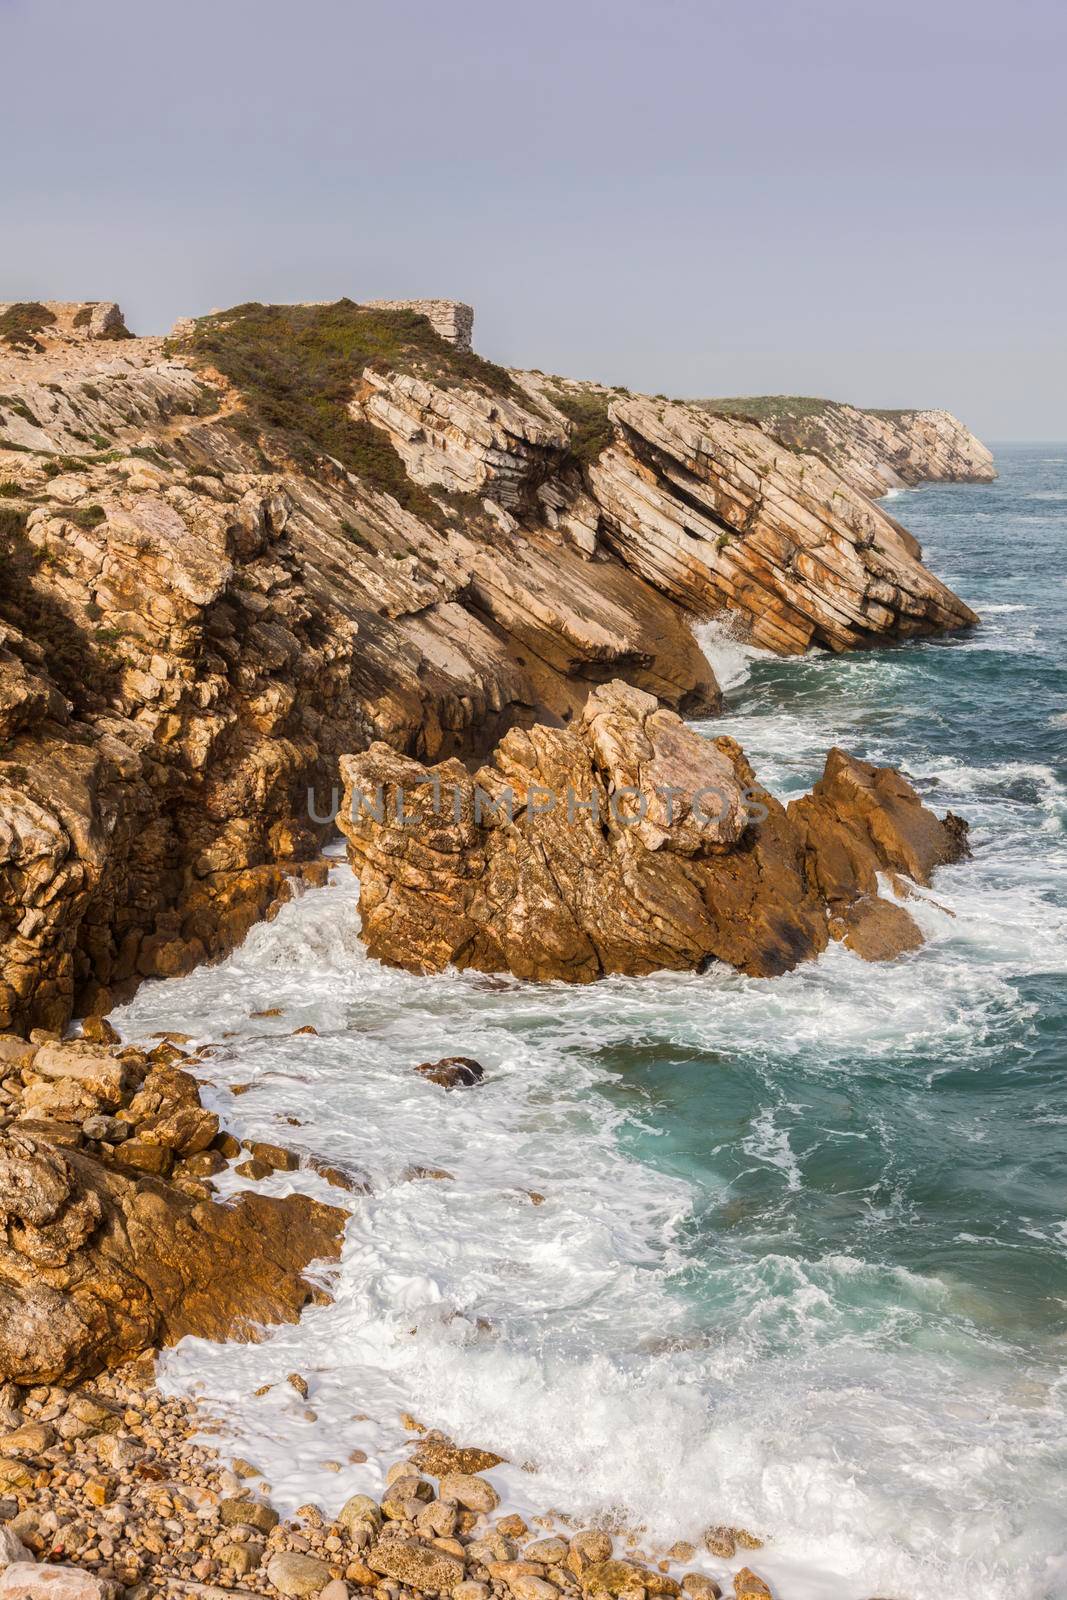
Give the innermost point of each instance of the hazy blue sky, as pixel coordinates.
(835, 197)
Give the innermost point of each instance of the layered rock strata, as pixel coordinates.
(629, 843)
(190, 636)
(228, 558)
(874, 450)
(721, 516)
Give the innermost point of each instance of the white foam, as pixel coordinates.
(557, 1333)
(727, 653)
(882, 1424)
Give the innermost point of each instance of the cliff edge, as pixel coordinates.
(874, 450)
(285, 533)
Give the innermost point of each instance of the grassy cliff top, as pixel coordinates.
(21, 320)
(298, 367)
(769, 407)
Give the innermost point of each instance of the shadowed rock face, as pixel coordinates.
(547, 864)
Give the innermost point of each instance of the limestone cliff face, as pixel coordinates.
(463, 440)
(719, 514)
(230, 557)
(192, 632)
(873, 450)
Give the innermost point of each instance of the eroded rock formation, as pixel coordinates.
(629, 843)
(108, 1243)
(874, 450)
(720, 515)
(230, 557)
(192, 633)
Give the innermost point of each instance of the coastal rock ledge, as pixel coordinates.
(112, 1240)
(629, 843)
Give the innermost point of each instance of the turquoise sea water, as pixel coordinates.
(802, 1258)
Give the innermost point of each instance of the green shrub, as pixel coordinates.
(12, 523)
(87, 516)
(20, 408)
(353, 535)
(147, 452)
(298, 367)
(587, 409)
(21, 321)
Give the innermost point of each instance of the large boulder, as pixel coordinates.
(628, 843)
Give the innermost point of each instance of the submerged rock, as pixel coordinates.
(453, 1072)
(749, 1586)
(629, 843)
(439, 1456)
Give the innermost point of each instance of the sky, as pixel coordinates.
(694, 197)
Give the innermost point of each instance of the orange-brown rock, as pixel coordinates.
(202, 607)
(860, 821)
(627, 843)
(97, 1265)
(720, 514)
(195, 625)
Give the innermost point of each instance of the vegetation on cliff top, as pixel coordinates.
(298, 368)
(796, 420)
(777, 407)
(20, 321)
(587, 410)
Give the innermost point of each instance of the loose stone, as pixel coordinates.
(295, 1575)
(470, 1491)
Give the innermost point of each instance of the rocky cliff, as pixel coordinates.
(874, 450)
(629, 843)
(285, 533)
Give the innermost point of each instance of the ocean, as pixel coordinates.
(800, 1262)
